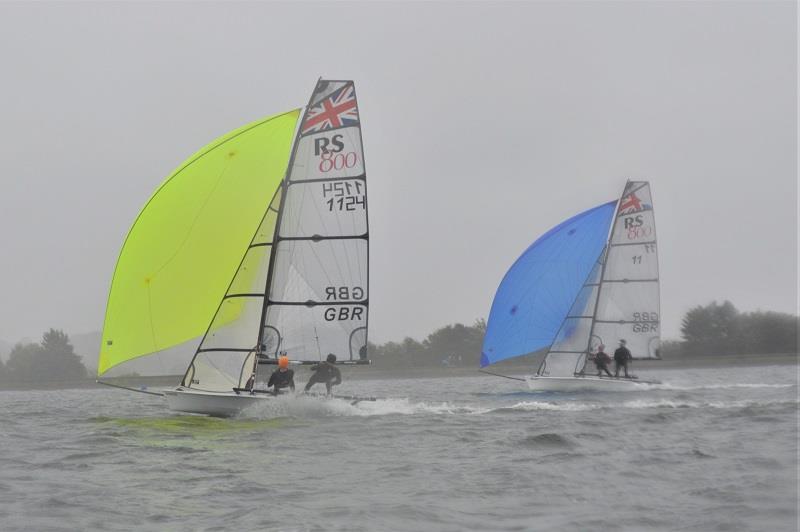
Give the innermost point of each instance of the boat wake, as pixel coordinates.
(310, 407)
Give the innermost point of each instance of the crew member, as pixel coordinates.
(602, 360)
(621, 357)
(325, 372)
(283, 377)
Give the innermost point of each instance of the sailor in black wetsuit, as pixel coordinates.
(621, 357)
(283, 377)
(325, 372)
(601, 360)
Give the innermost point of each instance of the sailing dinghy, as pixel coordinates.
(259, 244)
(591, 280)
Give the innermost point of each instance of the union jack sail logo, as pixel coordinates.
(337, 110)
(631, 203)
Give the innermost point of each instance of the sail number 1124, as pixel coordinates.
(344, 195)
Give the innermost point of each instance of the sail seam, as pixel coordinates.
(627, 321)
(633, 243)
(360, 177)
(631, 281)
(318, 238)
(364, 303)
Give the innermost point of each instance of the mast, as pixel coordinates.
(604, 256)
(283, 188)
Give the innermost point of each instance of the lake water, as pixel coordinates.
(711, 449)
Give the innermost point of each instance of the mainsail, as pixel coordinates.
(620, 297)
(183, 247)
(628, 304)
(572, 294)
(302, 287)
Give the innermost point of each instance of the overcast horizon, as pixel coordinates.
(484, 126)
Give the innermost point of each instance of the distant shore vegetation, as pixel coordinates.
(706, 330)
(720, 329)
(715, 329)
(53, 359)
(452, 345)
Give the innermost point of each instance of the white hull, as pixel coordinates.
(596, 384)
(219, 404)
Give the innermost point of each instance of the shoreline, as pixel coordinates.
(371, 372)
(438, 372)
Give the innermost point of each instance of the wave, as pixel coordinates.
(667, 386)
(641, 404)
(548, 439)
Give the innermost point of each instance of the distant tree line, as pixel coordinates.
(720, 329)
(52, 360)
(452, 345)
(713, 329)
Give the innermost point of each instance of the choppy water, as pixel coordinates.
(709, 450)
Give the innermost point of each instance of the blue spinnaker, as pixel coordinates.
(538, 290)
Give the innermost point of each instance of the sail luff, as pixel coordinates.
(603, 269)
(283, 186)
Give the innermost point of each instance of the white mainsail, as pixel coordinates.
(318, 287)
(628, 305)
(620, 297)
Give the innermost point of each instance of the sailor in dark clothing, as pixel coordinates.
(283, 377)
(601, 360)
(621, 358)
(325, 372)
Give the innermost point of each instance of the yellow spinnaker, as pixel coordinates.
(185, 245)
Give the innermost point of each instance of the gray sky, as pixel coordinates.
(485, 124)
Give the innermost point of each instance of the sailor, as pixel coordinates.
(621, 357)
(283, 377)
(601, 360)
(325, 372)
